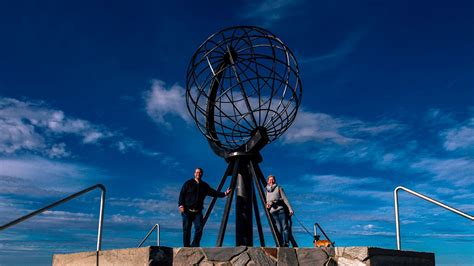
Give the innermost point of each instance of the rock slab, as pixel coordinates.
(363, 256)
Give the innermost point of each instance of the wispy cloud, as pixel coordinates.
(161, 102)
(143, 205)
(330, 138)
(338, 54)
(453, 166)
(389, 144)
(32, 127)
(29, 183)
(346, 188)
(339, 183)
(13, 208)
(459, 137)
(55, 175)
(324, 128)
(459, 171)
(161, 209)
(19, 186)
(269, 11)
(393, 149)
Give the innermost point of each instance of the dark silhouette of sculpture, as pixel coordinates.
(243, 91)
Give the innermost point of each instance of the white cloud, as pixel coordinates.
(338, 183)
(147, 205)
(336, 189)
(162, 102)
(35, 128)
(329, 138)
(368, 227)
(21, 186)
(318, 127)
(456, 135)
(458, 172)
(334, 57)
(14, 208)
(448, 235)
(58, 151)
(270, 11)
(459, 137)
(324, 128)
(127, 220)
(54, 175)
(438, 117)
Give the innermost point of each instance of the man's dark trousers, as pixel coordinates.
(188, 219)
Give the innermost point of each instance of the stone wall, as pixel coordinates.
(247, 256)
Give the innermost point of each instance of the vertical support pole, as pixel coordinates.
(257, 217)
(292, 237)
(219, 188)
(259, 176)
(225, 215)
(243, 207)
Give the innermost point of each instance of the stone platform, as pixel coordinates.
(247, 256)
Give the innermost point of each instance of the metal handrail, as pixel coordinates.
(64, 200)
(320, 228)
(397, 218)
(157, 226)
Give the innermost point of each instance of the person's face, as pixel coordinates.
(271, 181)
(197, 174)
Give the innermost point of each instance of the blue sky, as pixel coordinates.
(92, 92)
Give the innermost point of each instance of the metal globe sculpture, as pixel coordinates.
(243, 89)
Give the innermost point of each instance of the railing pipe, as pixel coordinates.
(157, 226)
(397, 218)
(316, 225)
(59, 202)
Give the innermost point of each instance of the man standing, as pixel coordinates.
(191, 201)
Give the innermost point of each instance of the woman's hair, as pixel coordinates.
(272, 176)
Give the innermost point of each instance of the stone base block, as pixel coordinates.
(247, 256)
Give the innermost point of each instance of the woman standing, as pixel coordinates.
(278, 204)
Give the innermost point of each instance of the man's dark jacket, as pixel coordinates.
(193, 193)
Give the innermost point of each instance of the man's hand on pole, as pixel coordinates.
(227, 191)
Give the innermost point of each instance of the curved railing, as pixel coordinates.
(397, 218)
(64, 200)
(157, 227)
(316, 236)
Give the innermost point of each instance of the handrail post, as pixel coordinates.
(397, 218)
(158, 235)
(101, 217)
(157, 227)
(316, 225)
(64, 200)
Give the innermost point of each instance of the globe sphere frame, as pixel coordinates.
(243, 89)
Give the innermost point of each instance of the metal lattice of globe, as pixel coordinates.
(242, 88)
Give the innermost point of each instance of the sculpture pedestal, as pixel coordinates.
(247, 256)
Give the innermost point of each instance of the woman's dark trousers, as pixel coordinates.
(281, 220)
